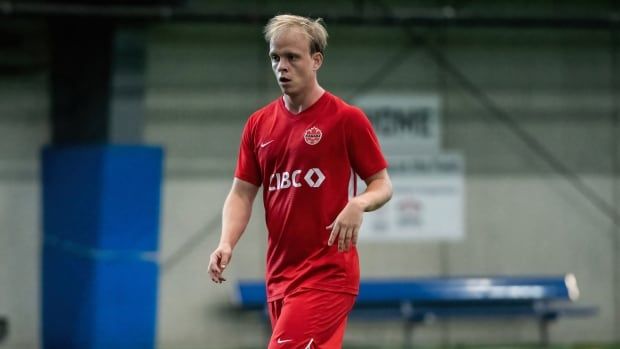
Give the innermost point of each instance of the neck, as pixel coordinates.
(298, 103)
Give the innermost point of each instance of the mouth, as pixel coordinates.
(284, 80)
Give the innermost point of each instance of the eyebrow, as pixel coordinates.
(285, 53)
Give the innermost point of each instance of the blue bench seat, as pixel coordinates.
(422, 300)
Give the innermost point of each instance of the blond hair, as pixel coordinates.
(312, 28)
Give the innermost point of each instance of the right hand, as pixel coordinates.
(218, 262)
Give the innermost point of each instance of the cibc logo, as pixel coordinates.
(284, 180)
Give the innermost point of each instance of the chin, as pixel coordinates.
(287, 91)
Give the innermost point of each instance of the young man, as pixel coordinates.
(305, 149)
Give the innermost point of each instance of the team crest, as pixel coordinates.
(313, 135)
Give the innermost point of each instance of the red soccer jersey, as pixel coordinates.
(306, 164)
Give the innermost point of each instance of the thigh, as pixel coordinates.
(312, 319)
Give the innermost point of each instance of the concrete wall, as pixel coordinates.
(522, 217)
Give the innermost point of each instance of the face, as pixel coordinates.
(295, 68)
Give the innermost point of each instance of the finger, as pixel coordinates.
(341, 236)
(211, 269)
(330, 226)
(356, 233)
(215, 277)
(213, 264)
(332, 236)
(347, 239)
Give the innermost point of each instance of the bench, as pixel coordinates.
(421, 300)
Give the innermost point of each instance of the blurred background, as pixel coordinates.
(520, 97)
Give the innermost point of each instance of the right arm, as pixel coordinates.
(235, 217)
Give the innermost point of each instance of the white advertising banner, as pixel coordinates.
(404, 123)
(428, 198)
(427, 203)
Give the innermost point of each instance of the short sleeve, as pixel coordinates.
(247, 165)
(363, 145)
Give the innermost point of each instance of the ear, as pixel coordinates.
(317, 60)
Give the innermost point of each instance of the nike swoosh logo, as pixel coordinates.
(282, 341)
(262, 145)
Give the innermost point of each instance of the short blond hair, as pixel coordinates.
(312, 28)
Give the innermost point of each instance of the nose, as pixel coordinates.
(282, 65)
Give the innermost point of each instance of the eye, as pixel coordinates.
(291, 57)
(274, 58)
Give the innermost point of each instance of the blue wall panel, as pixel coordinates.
(100, 269)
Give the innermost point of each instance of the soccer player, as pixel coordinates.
(305, 149)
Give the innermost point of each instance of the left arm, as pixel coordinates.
(346, 226)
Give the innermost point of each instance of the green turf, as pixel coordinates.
(508, 346)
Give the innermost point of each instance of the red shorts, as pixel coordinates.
(308, 319)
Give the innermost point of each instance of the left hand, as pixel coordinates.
(346, 226)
